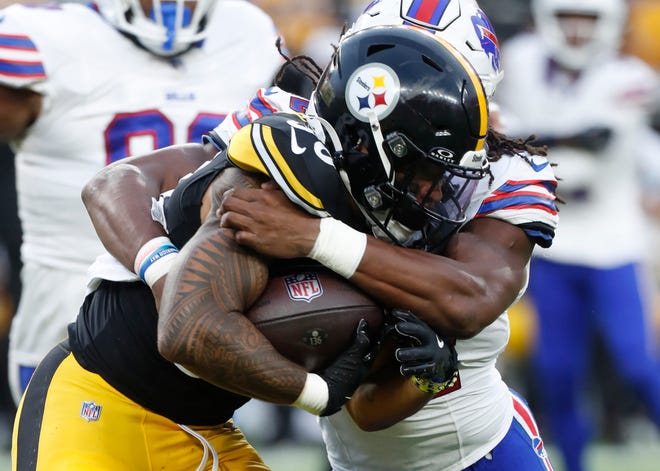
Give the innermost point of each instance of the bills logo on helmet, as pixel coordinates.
(372, 87)
(486, 34)
(303, 286)
(90, 411)
(431, 13)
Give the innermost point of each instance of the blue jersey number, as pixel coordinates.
(154, 125)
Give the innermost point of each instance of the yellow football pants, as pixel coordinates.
(71, 419)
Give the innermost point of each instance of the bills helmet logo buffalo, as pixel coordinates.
(486, 34)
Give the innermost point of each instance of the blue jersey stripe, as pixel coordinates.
(22, 69)
(16, 42)
(260, 107)
(510, 186)
(517, 201)
(241, 119)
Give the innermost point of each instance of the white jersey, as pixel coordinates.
(105, 98)
(602, 221)
(455, 430)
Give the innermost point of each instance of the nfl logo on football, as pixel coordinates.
(90, 411)
(303, 286)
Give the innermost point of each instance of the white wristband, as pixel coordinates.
(339, 247)
(314, 396)
(154, 259)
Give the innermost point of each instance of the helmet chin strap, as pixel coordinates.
(401, 234)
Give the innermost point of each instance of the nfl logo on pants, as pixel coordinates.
(90, 411)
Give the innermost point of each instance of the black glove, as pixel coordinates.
(348, 370)
(593, 139)
(422, 352)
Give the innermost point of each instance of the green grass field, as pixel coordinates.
(286, 457)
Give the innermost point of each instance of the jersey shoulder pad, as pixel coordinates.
(522, 192)
(37, 40)
(284, 147)
(266, 101)
(272, 138)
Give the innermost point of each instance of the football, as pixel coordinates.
(310, 317)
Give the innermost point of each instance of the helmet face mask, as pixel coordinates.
(170, 28)
(580, 32)
(426, 199)
(410, 115)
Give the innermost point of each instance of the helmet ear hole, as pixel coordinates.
(430, 62)
(371, 50)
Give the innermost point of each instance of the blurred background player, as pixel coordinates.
(568, 84)
(82, 86)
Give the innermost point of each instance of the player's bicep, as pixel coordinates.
(165, 167)
(212, 280)
(212, 277)
(496, 251)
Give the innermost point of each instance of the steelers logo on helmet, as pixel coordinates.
(372, 88)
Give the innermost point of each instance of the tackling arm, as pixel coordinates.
(386, 397)
(458, 294)
(118, 198)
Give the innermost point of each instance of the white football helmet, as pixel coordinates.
(596, 42)
(170, 28)
(459, 22)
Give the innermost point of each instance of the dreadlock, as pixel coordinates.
(302, 63)
(499, 145)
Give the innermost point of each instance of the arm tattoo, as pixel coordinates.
(212, 284)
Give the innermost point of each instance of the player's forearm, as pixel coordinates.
(458, 293)
(118, 199)
(378, 405)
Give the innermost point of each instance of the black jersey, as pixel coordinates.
(114, 336)
(115, 332)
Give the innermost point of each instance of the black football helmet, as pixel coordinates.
(410, 116)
